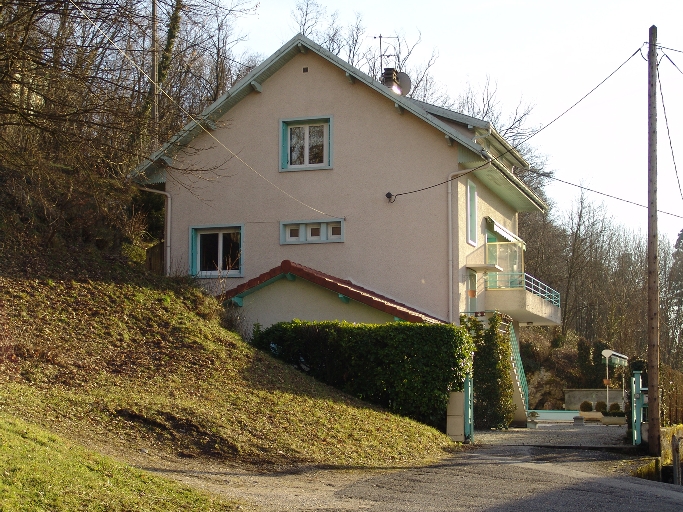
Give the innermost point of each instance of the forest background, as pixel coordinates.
(76, 117)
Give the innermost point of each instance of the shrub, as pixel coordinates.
(408, 368)
(614, 407)
(586, 406)
(600, 406)
(492, 381)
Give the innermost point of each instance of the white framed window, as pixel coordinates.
(311, 231)
(471, 213)
(216, 251)
(306, 144)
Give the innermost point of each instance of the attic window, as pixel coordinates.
(306, 144)
(306, 69)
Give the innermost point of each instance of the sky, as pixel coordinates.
(548, 53)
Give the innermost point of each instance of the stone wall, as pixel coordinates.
(574, 397)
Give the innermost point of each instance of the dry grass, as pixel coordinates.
(139, 363)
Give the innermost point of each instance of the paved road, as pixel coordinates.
(514, 479)
(507, 473)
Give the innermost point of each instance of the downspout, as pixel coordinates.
(451, 176)
(167, 221)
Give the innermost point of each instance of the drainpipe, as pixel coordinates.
(450, 243)
(167, 221)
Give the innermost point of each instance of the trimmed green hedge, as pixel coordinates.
(409, 368)
(494, 405)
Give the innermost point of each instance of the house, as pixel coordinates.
(289, 196)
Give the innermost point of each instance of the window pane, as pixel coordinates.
(316, 144)
(296, 145)
(315, 231)
(293, 232)
(231, 251)
(208, 252)
(336, 230)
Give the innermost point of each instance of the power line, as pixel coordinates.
(190, 116)
(665, 48)
(602, 193)
(668, 132)
(393, 197)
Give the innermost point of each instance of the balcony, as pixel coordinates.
(523, 297)
(510, 290)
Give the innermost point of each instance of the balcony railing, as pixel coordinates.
(500, 280)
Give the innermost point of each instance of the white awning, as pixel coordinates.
(505, 233)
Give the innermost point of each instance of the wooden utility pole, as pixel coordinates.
(155, 70)
(653, 436)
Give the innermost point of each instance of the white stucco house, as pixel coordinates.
(285, 197)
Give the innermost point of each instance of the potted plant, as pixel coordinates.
(531, 421)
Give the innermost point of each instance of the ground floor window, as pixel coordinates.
(216, 251)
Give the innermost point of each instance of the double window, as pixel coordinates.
(306, 144)
(216, 251)
(311, 231)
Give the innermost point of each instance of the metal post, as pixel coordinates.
(636, 407)
(652, 256)
(676, 455)
(607, 380)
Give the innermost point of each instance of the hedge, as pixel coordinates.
(494, 405)
(408, 368)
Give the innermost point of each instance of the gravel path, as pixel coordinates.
(511, 470)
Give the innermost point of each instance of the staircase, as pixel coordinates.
(519, 384)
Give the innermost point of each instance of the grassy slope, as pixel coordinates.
(137, 362)
(40, 471)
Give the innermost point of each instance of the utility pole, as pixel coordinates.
(653, 436)
(155, 71)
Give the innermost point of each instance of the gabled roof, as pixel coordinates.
(345, 289)
(152, 170)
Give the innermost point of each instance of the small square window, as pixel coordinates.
(334, 230)
(293, 233)
(313, 232)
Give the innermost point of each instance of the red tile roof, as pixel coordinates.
(341, 286)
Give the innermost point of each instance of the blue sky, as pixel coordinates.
(548, 53)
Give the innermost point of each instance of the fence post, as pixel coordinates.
(676, 455)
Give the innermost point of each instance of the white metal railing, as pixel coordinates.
(500, 280)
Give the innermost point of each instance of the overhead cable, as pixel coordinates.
(668, 132)
(392, 197)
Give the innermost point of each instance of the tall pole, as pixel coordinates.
(653, 436)
(155, 71)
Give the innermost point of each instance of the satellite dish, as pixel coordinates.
(404, 83)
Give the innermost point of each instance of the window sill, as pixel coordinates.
(216, 276)
(308, 168)
(308, 242)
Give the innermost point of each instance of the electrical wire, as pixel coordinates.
(665, 48)
(602, 193)
(191, 117)
(672, 62)
(393, 197)
(668, 132)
